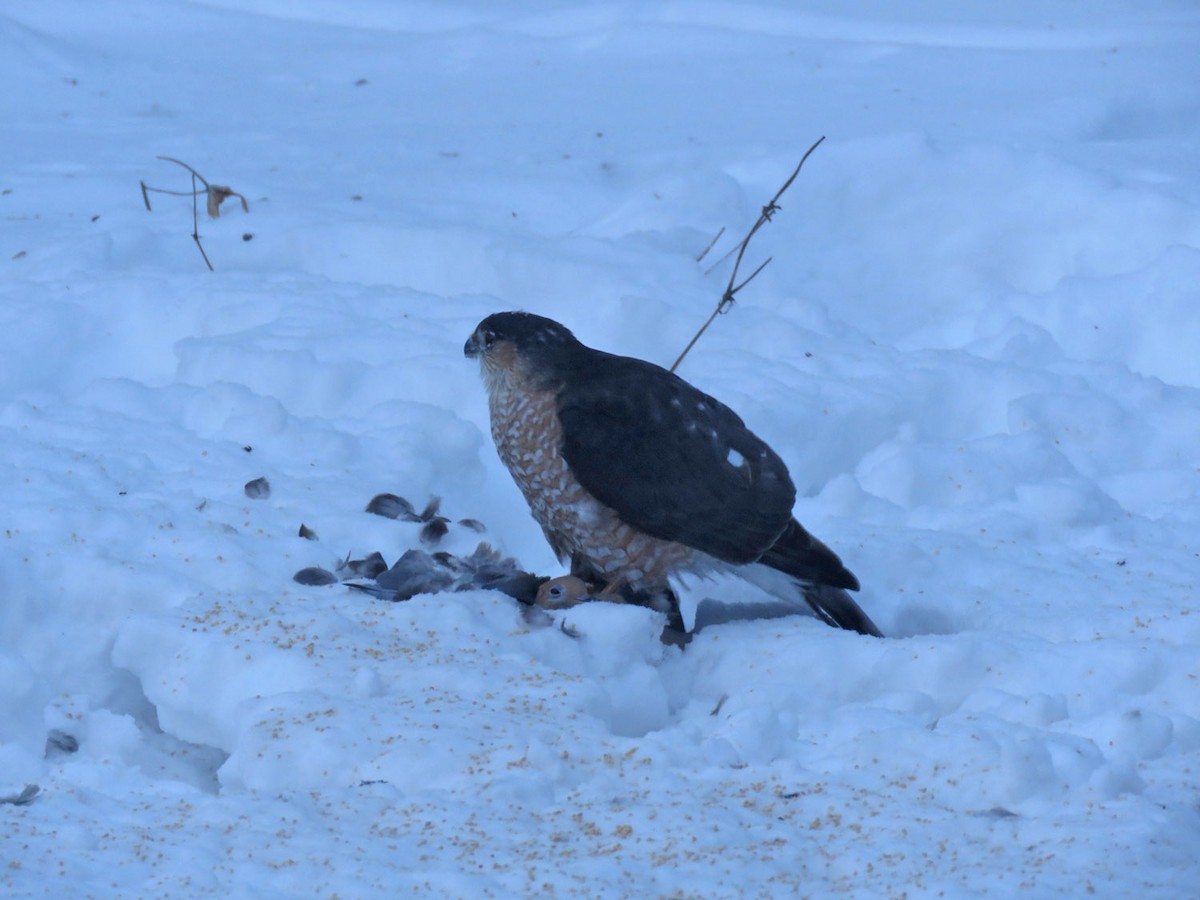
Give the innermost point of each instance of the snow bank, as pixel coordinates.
(975, 348)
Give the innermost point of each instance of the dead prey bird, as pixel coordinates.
(419, 572)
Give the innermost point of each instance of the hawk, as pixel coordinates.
(637, 477)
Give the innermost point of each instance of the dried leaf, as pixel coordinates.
(216, 196)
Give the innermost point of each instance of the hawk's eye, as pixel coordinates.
(489, 338)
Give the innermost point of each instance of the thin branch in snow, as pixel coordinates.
(215, 195)
(196, 227)
(732, 288)
(711, 244)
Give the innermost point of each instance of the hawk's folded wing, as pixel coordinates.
(672, 461)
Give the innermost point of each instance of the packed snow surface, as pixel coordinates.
(977, 348)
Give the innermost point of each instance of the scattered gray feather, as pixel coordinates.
(258, 489)
(431, 509)
(24, 798)
(314, 576)
(369, 567)
(60, 741)
(434, 530)
(392, 506)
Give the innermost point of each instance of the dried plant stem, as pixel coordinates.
(732, 288)
(196, 224)
(711, 244)
(215, 194)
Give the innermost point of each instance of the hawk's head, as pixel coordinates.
(522, 345)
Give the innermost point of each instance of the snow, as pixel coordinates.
(975, 348)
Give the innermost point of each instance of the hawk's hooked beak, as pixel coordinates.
(471, 347)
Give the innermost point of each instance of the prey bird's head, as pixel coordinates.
(522, 345)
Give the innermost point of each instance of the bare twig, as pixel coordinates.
(196, 225)
(733, 287)
(732, 250)
(180, 162)
(750, 277)
(215, 195)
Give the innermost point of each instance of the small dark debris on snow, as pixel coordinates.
(996, 812)
(258, 489)
(247, 448)
(360, 82)
(307, 533)
(474, 524)
(315, 576)
(247, 236)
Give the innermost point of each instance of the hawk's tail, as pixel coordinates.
(799, 554)
(836, 607)
(821, 576)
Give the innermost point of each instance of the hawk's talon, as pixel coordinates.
(570, 630)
